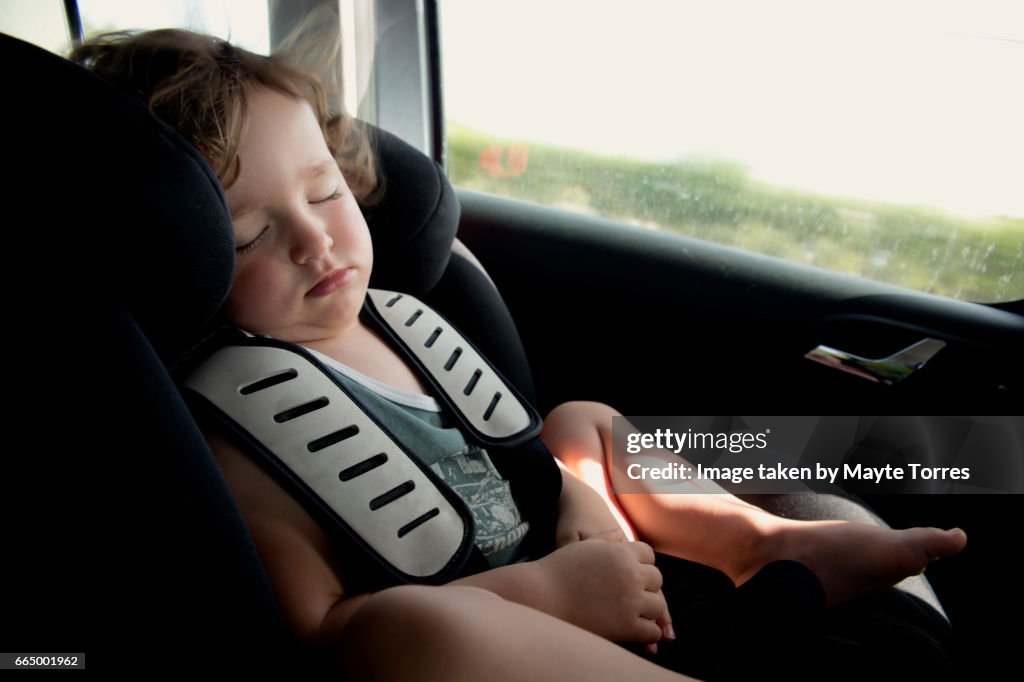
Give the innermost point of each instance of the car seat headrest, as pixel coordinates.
(121, 205)
(414, 226)
(139, 215)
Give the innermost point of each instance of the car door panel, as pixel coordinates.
(662, 324)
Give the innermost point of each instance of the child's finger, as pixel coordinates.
(657, 610)
(646, 631)
(644, 552)
(665, 622)
(653, 579)
(653, 608)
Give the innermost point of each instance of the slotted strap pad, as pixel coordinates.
(325, 440)
(470, 385)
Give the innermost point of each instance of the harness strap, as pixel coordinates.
(334, 454)
(486, 406)
(320, 438)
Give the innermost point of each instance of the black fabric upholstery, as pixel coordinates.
(412, 230)
(130, 203)
(174, 562)
(126, 542)
(471, 302)
(414, 226)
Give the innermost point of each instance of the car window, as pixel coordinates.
(36, 21)
(244, 22)
(45, 22)
(870, 137)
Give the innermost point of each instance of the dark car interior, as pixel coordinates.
(123, 540)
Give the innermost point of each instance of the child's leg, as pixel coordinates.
(453, 633)
(737, 538)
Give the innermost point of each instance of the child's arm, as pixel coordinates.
(294, 550)
(298, 558)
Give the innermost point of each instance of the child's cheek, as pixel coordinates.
(252, 295)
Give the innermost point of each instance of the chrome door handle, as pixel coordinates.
(883, 370)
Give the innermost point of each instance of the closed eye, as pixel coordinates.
(334, 196)
(246, 248)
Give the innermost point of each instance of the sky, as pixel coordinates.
(913, 101)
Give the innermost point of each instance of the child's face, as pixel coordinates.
(304, 251)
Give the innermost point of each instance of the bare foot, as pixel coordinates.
(851, 559)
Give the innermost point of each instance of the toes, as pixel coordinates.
(935, 543)
(952, 541)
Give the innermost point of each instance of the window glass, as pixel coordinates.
(243, 22)
(876, 137)
(40, 22)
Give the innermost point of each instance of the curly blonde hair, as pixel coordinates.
(200, 85)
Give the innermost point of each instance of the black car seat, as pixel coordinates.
(129, 546)
(122, 537)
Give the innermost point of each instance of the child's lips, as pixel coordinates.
(331, 282)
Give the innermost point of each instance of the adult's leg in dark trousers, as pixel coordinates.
(776, 625)
(760, 629)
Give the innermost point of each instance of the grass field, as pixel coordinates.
(918, 247)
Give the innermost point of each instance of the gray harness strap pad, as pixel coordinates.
(323, 440)
(488, 407)
(334, 454)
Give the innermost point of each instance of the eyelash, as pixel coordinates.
(246, 248)
(333, 197)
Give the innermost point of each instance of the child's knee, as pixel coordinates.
(416, 611)
(411, 625)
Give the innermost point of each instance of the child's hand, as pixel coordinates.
(609, 587)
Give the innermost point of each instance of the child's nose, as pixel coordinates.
(311, 241)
